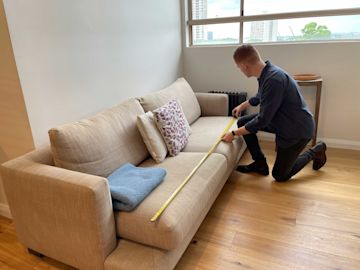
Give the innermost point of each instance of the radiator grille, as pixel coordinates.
(235, 98)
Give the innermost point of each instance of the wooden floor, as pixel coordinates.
(310, 222)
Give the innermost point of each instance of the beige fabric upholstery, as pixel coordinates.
(180, 90)
(102, 143)
(206, 131)
(131, 255)
(62, 214)
(152, 136)
(177, 220)
(213, 104)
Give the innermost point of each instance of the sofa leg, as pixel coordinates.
(35, 253)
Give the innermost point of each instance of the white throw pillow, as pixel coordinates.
(152, 137)
(173, 126)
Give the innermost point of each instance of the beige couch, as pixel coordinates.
(65, 211)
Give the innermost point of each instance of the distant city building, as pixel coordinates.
(264, 31)
(199, 12)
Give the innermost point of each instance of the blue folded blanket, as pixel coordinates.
(129, 185)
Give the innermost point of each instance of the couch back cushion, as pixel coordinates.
(179, 90)
(100, 144)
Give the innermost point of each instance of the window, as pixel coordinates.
(213, 22)
(227, 33)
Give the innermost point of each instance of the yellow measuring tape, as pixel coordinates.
(166, 204)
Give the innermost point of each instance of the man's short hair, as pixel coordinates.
(246, 54)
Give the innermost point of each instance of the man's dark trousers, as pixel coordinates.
(288, 162)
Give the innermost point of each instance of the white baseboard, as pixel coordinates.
(5, 210)
(342, 144)
(333, 143)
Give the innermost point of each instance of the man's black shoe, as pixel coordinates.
(257, 167)
(319, 155)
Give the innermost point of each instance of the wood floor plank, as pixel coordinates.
(290, 256)
(207, 256)
(343, 244)
(4, 266)
(330, 220)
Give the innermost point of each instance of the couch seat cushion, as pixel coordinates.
(176, 221)
(179, 90)
(206, 131)
(102, 143)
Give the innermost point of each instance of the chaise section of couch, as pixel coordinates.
(60, 200)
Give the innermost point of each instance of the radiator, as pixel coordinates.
(235, 98)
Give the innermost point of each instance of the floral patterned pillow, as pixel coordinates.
(173, 126)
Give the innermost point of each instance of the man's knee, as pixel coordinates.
(280, 177)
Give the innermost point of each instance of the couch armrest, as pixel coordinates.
(62, 214)
(213, 104)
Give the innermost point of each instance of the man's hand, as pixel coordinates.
(236, 111)
(227, 137)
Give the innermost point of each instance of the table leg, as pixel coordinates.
(317, 107)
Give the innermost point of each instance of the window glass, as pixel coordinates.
(206, 9)
(321, 28)
(227, 33)
(334, 27)
(257, 7)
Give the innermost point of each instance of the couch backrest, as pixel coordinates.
(100, 144)
(180, 90)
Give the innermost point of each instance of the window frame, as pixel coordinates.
(263, 17)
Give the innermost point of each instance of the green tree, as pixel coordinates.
(314, 31)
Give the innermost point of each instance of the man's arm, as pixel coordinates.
(253, 101)
(271, 99)
(242, 107)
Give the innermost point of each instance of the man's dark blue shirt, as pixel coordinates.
(283, 110)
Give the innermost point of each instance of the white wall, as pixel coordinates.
(212, 68)
(76, 58)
